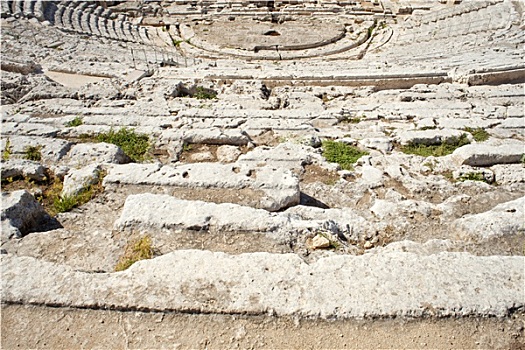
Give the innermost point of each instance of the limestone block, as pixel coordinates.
(428, 137)
(382, 144)
(274, 188)
(503, 219)
(216, 136)
(22, 67)
(507, 174)
(513, 123)
(29, 129)
(488, 155)
(21, 214)
(78, 179)
(371, 176)
(51, 149)
(150, 211)
(320, 242)
(396, 284)
(228, 154)
(480, 174)
(287, 155)
(83, 154)
(24, 168)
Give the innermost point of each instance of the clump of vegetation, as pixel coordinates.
(6, 153)
(75, 122)
(479, 134)
(186, 147)
(429, 127)
(440, 150)
(334, 244)
(201, 93)
(136, 250)
(67, 203)
(62, 204)
(342, 154)
(472, 177)
(33, 153)
(133, 144)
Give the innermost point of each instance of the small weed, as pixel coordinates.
(342, 154)
(6, 153)
(202, 93)
(64, 204)
(186, 147)
(133, 144)
(472, 177)
(33, 153)
(136, 250)
(371, 28)
(334, 244)
(352, 120)
(449, 176)
(440, 150)
(479, 134)
(428, 127)
(177, 43)
(67, 203)
(430, 165)
(75, 122)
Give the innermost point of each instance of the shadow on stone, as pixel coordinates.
(312, 202)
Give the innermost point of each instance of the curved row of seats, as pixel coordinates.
(467, 18)
(83, 17)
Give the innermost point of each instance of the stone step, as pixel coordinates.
(260, 187)
(394, 284)
(155, 213)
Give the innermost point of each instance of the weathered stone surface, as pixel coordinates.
(508, 174)
(466, 172)
(86, 153)
(29, 129)
(22, 67)
(504, 219)
(487, 155)
(228, 154)
(280, 188)
(429, 137)
(320, 242)
(205, 156)
(51, 149)
(396, 284)
(21, 214)
(287, 155)
(379, 143)
(25, 168)
(149, 211)
(341, 222)
(77, 180)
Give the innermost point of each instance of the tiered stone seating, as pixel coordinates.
(82, 17)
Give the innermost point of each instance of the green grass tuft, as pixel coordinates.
(342, 154)
(33, 153)
(202, 93)
(75, 122)
(479, 134)
(472, 177)
(133, 144)
(6, 153)
(136, 250)
(440, 150)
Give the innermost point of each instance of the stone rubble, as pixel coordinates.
(246, 213)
